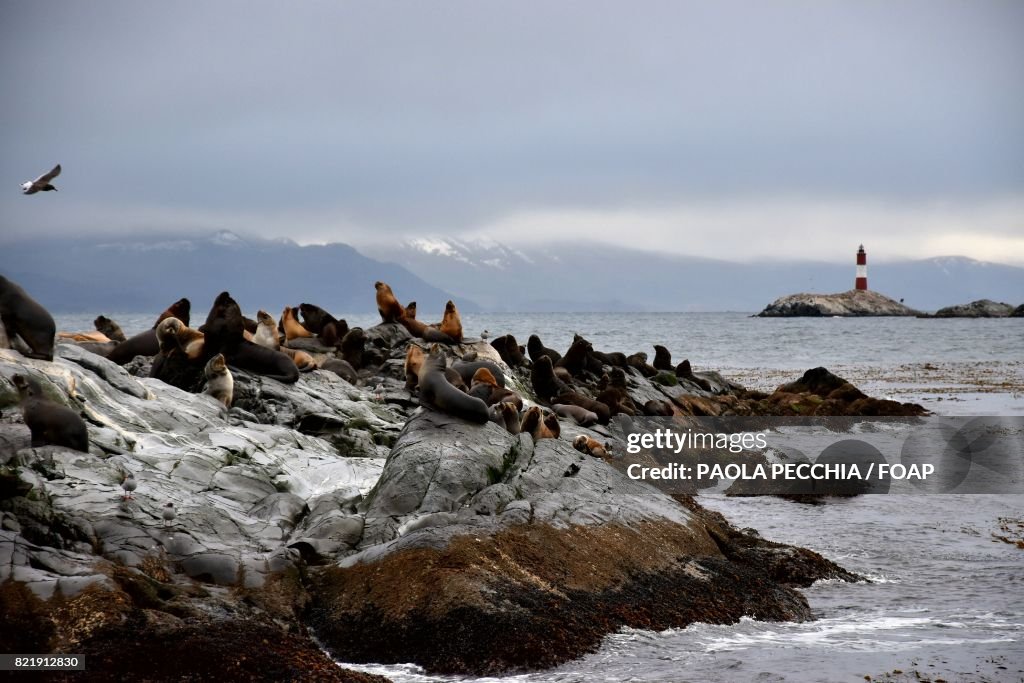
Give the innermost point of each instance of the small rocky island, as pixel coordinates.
(982, 308)
(853, 303)
(192, 541)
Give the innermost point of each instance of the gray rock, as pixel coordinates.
(855, 302)
(983, 308)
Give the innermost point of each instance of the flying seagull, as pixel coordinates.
(42, 183)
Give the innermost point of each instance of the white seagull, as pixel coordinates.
(42, 183)
(169, 513)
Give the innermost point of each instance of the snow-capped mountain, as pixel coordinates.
(148, 273)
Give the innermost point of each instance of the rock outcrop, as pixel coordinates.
(983, 308)
(853, 303)
(397, 533)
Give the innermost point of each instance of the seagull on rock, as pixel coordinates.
(169, 514)
(129, 484)
(42, 183)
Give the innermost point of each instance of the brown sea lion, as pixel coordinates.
(451, 323)
(485, 387)
(224, 330)
(539, 425)
(303, 361)
(615, 358)
(174, 335)
(413, 361)
(575, 358)
(603, 412)
(580, 416)
(22, 316)
(145, 343)
(108, 327)
(353, 346)
(219, 381)
(387, 305)
(467, 368)
(536, 349)
(437, 392)
(51, 424)
(94, 337)
(293, 329)
(410, 310)
(416, 327)
(545, 383)
(585, 444)
(508, 348)
(325, 326)
(507, 415)
(658, 408)
(662, 358)
(266, 333)
(639, 361)
(684, 371)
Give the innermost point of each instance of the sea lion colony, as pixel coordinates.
(583, 386)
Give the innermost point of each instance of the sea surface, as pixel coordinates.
(945, 596)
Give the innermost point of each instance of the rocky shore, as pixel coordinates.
(391, 531)
(855, 302)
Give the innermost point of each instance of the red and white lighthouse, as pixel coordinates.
(862, 268)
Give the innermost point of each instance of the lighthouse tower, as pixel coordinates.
(862, 268)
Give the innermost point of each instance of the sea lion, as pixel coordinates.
(615, 358)
(22, 316)
(174, 335)
(325, 326)
(387, 305)
(506, 415)
(575, 358)
(603, 412)
(585, 444)
(266, 334)
(658, 408)
(662, 358)
(249, 325)
(303, 361)
(219, 381)
(639, 361)
(341, 368)
(539, 425)
(410, 310)
(536, 349)
(51, 424)
(467, 369)
(545, 383)
(353, 346)
(408, 320)
(92, 337)
(437, 392)
(684, 371)
(224, 334)
(108, 327)
(485, 387)
(581, 416)
(451, 323)
(145, 343)
(293, 329)
(508, 348)
(413, 362)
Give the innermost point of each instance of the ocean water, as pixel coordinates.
(945, 598)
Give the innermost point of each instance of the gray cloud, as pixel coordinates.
(371, 119)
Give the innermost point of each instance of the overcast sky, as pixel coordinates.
(729, 129)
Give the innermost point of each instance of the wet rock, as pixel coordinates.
(855, 302)
(983, 308)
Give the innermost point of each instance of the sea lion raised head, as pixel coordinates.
(266, 331)
(293, 329)
(451, 323)
(387, 304)
(180, 309)
(108, 327)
